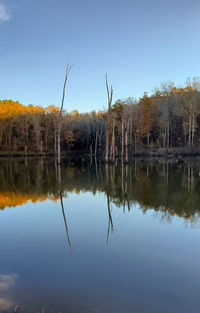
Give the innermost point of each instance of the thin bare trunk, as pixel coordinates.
(10, 136)
(190, 128)
(126, 145)
(193, 128)
(107, 144)
(41, 147)
(68, 69)
(96, 142)
(100, 138)
(91, 150)
(168, 133)
(148, 136)
(55, 143)
(109, 95)
(113, 143)
(122, 148)
(135, 146)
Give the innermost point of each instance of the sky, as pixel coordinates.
(139, 43)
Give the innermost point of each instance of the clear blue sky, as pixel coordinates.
(139, 43)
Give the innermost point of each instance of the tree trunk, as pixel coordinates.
(190, 129)
(26, 138)
(135, 144)
(10, 135)
(126, 144)
(91, 150)
(55, 143)
(41, 147)
(193, 128)
(168, 133)
(96, 143)
(113, 143)
(100, 138)
(68, 69)
(107, 144)
(109, 95)
(58, 142)
(148, 139)
(122, 148)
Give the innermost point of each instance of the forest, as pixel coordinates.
(165, 122)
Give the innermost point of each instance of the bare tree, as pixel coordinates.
(113, 148)
(68, 69)
(109, 95)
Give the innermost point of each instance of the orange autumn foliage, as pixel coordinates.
(10, 108)
(12, 199)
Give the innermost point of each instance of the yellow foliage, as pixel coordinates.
(9, 109)
(12, 199)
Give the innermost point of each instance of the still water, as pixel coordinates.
(103, 239)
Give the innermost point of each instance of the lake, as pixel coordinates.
(99, 238)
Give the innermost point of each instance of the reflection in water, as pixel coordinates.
(5, 304)
(7, 281)
(110, 221)
(167, 188)
(146, 264)
(65, 221)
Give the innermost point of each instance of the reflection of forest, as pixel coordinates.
(166, 187)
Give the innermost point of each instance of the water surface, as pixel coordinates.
(106, 239)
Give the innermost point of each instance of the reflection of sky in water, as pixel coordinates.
(145, 262)
(4, 304)
(7, 281)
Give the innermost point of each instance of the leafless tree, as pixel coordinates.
(109, 95)
(68, 69)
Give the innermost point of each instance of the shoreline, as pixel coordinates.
(142, 156)
(152, 153)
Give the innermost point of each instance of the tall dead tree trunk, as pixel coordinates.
(96, 142)
(100, 139)
(122, 148)
(113, 150)
(190, 130)
(193, 128)
(168, 134)
(61, 109)
(126, 145)
(109, 95)
(135, 143)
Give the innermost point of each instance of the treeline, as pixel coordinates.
(167, 120)
(34, 130)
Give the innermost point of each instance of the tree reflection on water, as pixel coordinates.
(168, 188)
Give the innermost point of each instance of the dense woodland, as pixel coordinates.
(168, 120)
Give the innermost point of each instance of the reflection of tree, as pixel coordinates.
(110, 221)
(65, 221)
(165, 187)
(62, 206)
(109, 188)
